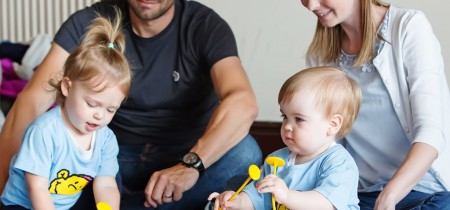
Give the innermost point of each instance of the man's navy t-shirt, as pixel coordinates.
(172, 96)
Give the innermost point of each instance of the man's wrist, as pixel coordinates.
(192, 160)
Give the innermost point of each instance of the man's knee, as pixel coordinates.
(247, 151)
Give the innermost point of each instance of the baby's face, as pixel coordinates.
(305, 128)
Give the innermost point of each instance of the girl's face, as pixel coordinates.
(86, 109)
(332, 12)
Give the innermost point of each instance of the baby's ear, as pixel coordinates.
(335, 124)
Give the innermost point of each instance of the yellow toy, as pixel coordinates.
(275, 161)
(103, 206)
(254, 173)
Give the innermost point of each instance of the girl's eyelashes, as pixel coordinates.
(89, 104)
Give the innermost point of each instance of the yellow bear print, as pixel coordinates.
(68, 185)
(280, 206)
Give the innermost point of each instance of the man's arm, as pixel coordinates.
(31, 102)
(229, 124)
(105, 190)
(235, 114)
(38, 190)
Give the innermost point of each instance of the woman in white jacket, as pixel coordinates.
(401, 138)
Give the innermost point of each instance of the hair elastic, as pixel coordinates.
(111, 45)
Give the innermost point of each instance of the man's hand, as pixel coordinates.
(169, 185)
(273, 184)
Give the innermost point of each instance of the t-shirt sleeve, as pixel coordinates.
(36, 152)
(338, 180)
(214, 38)
(259, 200)
(69, 36)
(109, 165)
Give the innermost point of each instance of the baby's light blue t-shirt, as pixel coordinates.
(333, 174)
(49, 151)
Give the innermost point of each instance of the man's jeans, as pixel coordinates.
(138, 163)
(413, 201)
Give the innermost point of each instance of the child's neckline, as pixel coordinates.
(293, 156)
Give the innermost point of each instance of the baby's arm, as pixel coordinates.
(38, 190)
(241, 201)
(105, 190)
(292, 199)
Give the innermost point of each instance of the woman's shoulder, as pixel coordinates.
(407, 16)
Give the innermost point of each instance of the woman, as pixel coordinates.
(400, 140)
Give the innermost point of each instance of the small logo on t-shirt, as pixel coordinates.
(176, 76)
(68, 185)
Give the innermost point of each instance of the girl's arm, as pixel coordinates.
(38, 190)
(105, 190)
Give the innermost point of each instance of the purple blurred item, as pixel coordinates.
(11, 84)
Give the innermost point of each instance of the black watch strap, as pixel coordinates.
(198, 165)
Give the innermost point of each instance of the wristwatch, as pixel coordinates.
(192, 160)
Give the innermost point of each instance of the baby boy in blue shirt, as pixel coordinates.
(318, 106)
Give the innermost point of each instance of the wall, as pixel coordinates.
(273, 37)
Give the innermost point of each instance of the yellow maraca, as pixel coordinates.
(275, 161)
(254, 173)
(103, 206)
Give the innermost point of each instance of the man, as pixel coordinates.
(190, 99)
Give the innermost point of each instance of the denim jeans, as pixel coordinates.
(413, 201)
(138, 163)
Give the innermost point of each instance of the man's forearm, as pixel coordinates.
(229, 124)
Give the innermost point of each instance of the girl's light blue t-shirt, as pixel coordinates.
(48, 151)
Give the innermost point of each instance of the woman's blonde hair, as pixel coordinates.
(335, 93)
(99, 55)
(326, 45)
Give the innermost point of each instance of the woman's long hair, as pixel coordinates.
(326, 45)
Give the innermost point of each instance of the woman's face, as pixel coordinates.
(332, 12)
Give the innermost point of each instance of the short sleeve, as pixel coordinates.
(338, 181)
(36, 152)
(259, 200)
(69, 36)
(109, 165)
(214, 38)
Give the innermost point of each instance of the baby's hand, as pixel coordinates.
(275, 185)
(223, 198)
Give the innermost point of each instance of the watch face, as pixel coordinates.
(190, 158)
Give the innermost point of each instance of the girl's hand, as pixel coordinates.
(273, 184)
(223, 198)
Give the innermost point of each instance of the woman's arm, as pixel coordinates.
(38, 190)
(413, 168)
(105, 190)
(423, 62)
(31, 102)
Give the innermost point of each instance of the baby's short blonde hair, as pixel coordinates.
(335, 93)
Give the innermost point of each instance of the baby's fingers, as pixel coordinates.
(213, 195)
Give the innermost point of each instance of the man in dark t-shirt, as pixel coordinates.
(190, 100)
